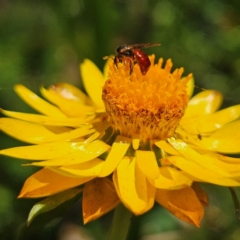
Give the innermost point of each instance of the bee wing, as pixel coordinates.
(142, 45)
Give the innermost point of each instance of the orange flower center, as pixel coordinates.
(147, 106)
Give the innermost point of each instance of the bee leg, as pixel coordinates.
(131, 66)
(116, 61)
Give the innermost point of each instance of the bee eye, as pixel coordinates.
(121, 49)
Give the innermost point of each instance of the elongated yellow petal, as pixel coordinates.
(203, 160)
(83, 153)
(183, 203)
(65, 91)
(71, 105)
(87, 169)
(147, 163)
(144, 189)
(228, 131)
(45, 120)
(190, 87)
(99, 197)
(193, 138)
(218, 119)
(199, 107)
(77, 110)
(201, 173)
(151, 192)
(166, 147)
(222, 145)
(46, 182)
(35, 133)
(132, 186)
(92, 76)
(203, 103)
(25, 131)
(42, 151)
(231, 167)
(58, 129)
(73, 134)
(135, 143)
(224, 140)
(171, 178)
(118, 150)
(189, 125)
(38, 103)
(116, 185)
(224, 158)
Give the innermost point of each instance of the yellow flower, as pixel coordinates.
(151, 144)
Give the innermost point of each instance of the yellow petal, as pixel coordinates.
(224, 140)
(202, 160)
(218, 119)
(87, 169)
(224, 158)
(43, 151)
(93, 81)
(151, 192)
(228, 131)
(45, 120)
(147, 163)
(203, 103)
(46, 182)
(171, 178)
(58, 129)
(132, 186)
(25, 131)
(231, 165)
(71, 105)
(118, 150)
(145, 190)
(193, 138)
(38, 103)
(201, 173)
(183, 203)
(103, 125)
(93, 137)
(99, 197)
(163, 145)
(188, 125)
(136, 143)
(83, 153)
(35, 133)
(73, 134)
(230, 146)
(65, 91)
(115, 181)
(190, 86)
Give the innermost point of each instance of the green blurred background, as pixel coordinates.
(43, 42)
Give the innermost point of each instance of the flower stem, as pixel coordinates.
(120, 224)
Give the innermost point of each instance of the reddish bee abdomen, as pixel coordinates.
(142, 59)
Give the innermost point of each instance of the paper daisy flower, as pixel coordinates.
(134, 139)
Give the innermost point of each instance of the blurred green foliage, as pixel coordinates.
(43, 42)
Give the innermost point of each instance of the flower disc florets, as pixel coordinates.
(148, 106)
